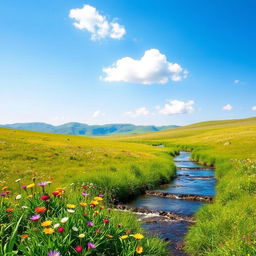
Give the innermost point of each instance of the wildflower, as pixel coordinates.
(101, 207)
(54, 253)
(18, 180)
(55, 193)
(85, 194)
(24, 187)
(4, 188)
(9, 209)
(45, 197)
(3, 194)
(35, 217)
(106, 221)
(42, 184)
(124, 237)
(40, 209)
(18, 197)
(56, 225)
(29, 196)
(60, 229)
(83, 204)
(79, 248)
(70, 210)
(8, 192)
(109, 236)
(30, 185)
(94, 203)
(98, 231)
(91, 245)
(85, 214)
(75, 229)
(64, 220)
(24, 236)
(71, 206)
(84, 187)
(24, 207)
(90, 224)
(46, 223)
(138, 236)
(81, 236)
(98, 198)
(139, 249)
(48, 231)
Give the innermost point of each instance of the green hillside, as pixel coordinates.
(88, 130)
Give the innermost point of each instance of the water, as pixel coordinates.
(197, 182)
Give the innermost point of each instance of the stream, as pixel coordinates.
(168, 211)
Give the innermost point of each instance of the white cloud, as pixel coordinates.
(174, 107)
(236, 81)
(98, 113)
(153, 67)
(88, 18)
(254, 108)
(227, 107)
(138, 112)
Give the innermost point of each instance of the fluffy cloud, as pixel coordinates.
(227, 107)
(236, 81)
(153, 67)
(174, 107)
(88, 18)
(138, 112)
(254, 108)
(98, 113)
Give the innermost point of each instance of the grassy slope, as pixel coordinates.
(226, 227)
(125, 167)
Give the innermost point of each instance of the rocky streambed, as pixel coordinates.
(169, 211)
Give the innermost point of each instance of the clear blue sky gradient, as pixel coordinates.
(49, 70)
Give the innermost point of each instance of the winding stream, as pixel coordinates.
(170, 218)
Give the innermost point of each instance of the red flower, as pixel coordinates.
(84, 187)
(9, 209)
(85, 214)
(79, 248)
(55, 193)
(60, 229)
(40, 209)
(45, 197)
(106, 221)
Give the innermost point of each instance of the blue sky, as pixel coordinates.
(52, 71)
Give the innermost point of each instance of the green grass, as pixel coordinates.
(227, 227)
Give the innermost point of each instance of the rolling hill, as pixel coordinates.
(88, 130)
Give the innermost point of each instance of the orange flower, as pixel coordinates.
(24, 236)
(8, 192)
(4, 188)
(40, 209)
(46, 223)
(9, 209)
(83, 204)
(109, 236)
(48, 231)
(139, 249)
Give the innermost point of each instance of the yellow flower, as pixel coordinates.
(94, 202)
(29, 196)
(109, 236)
(98, 198)
(46, 223)
(96, 212)
(101, 207)
(83, 204)
(4, 188)
(139, 249)
(138, 236)
(48, 231)
(31, 185)
(124, 237)
(71, 206)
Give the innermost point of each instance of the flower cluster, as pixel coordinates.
(64, 222)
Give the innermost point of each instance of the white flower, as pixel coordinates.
(70, 210)
(18, 197)
(56, 225)
(64, 220)
(75, 229)
(18, 180)
(81, 236)
(24, 207)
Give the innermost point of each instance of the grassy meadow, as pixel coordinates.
(228, 226)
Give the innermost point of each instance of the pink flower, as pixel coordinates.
(45, 197)
(90, 224)
(60, 229)
(79, 248)
(35, 217)
(91, 245)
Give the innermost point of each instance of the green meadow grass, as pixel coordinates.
(228, 226)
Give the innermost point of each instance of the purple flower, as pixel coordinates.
(24, 187)
(91, 245)
(3, 194)
(85, 194)
(42, 184)
(35, 217)
(54, 253)
(100, 195)
(90, 224)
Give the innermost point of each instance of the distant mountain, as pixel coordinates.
(88, 130)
